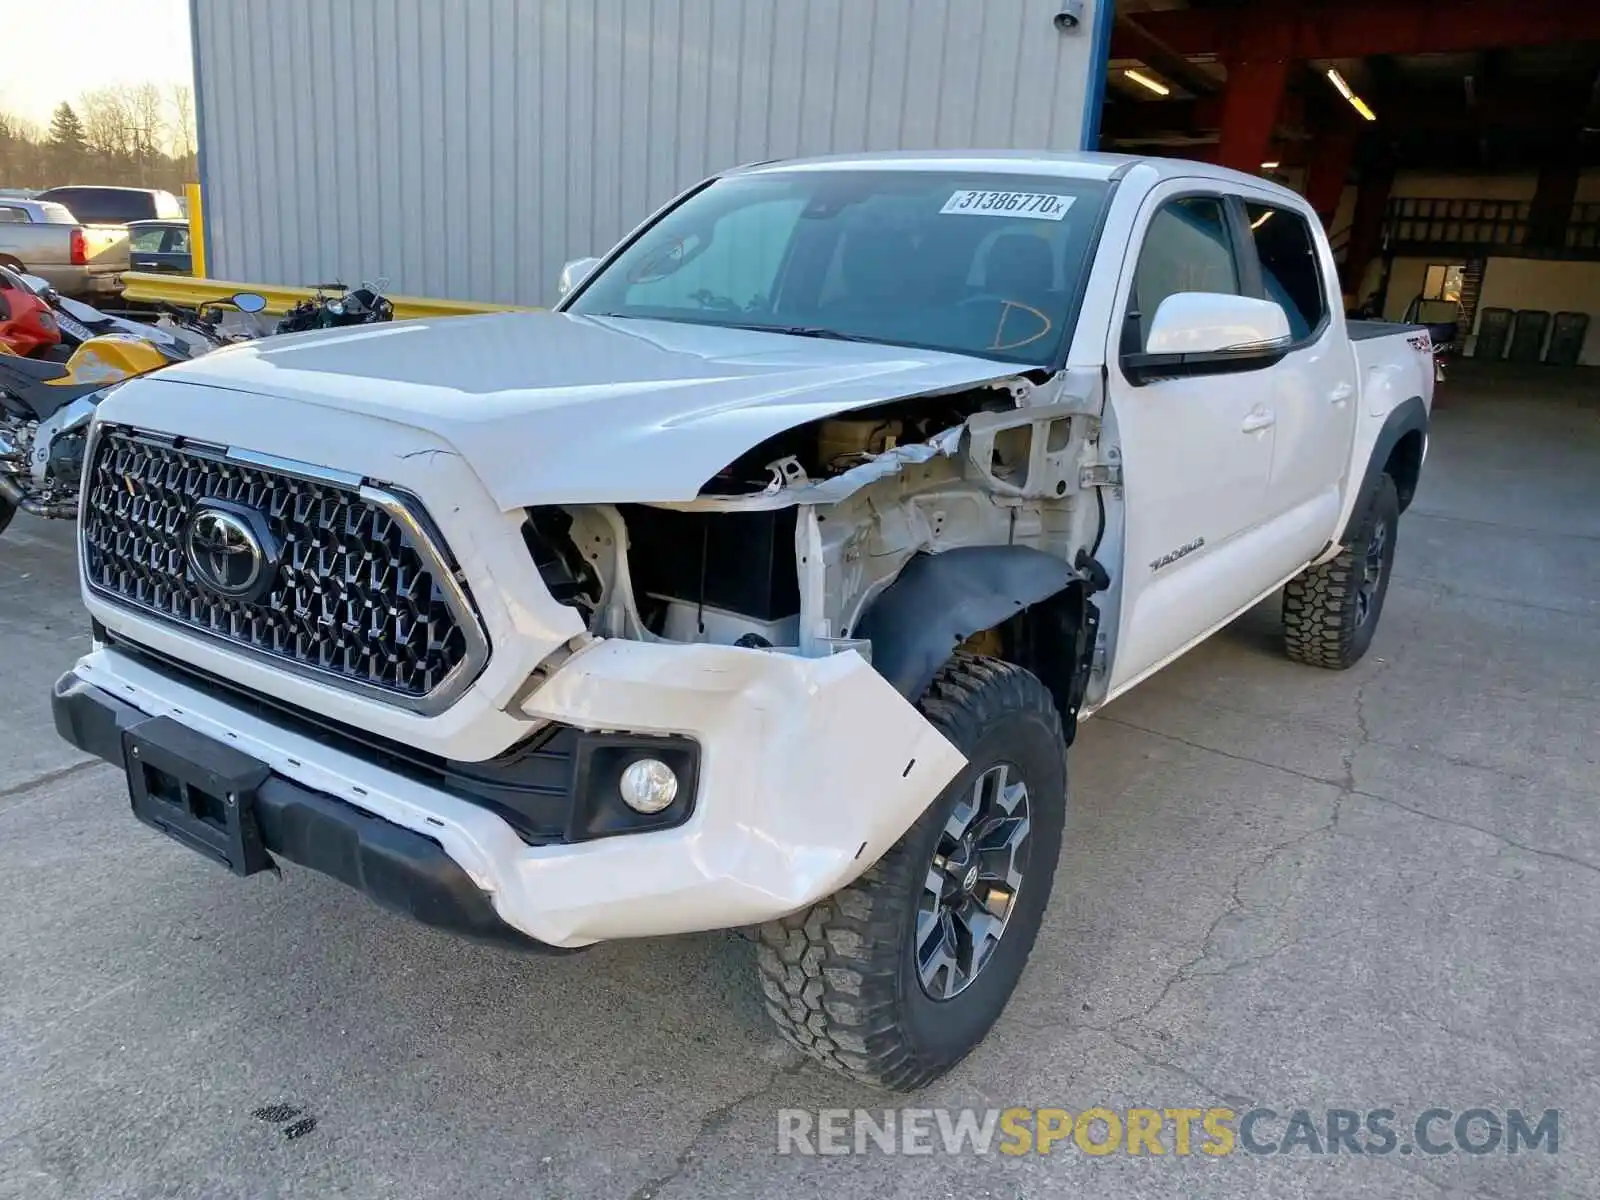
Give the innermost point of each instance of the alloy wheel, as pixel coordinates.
(972, 883)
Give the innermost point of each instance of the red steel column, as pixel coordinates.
(1250, 111)
(1331, 156)
(1366, 227)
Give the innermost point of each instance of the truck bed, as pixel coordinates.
(1361, 331)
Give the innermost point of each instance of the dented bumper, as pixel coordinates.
(809, 769)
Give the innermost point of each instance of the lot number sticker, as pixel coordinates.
(1040, 206)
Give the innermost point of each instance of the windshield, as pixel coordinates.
(985, 264)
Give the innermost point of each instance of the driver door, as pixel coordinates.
(1196, 450)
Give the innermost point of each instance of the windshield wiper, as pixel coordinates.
(810, 331)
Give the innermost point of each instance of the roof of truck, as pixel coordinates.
(1011, 162)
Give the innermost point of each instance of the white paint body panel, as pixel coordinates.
(553, 408)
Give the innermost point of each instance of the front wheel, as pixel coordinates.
(896, 978)
(1331, 611)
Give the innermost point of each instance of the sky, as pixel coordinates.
(51, 57)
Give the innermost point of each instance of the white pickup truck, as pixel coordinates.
(763, 584)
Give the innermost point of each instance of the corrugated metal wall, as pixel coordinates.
(468, 148)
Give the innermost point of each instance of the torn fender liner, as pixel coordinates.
(940, 600)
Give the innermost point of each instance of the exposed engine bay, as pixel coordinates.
(789, 545)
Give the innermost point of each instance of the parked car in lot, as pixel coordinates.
(764, 582)
(160, 246)
(115, 205)
(45, 238)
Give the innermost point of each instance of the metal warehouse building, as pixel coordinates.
(467, 148)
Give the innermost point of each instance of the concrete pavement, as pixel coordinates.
(1280, 887)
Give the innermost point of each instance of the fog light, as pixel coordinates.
(648, 785)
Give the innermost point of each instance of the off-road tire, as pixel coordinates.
(840, 978)
(1324, 624)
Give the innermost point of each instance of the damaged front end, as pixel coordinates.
(794, 545)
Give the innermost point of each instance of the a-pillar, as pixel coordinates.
(1250, 111)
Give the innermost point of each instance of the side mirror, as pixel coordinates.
(574, 273)
(1204, 333)
(249, 302)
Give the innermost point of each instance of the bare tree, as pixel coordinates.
(180, 104)
(108, 125)
(147, 125)
(112, 136)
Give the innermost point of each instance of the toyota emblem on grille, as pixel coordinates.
(225, 553)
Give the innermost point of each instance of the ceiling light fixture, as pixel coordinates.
(1270, 166)
(1356, 102)
(1144, 81)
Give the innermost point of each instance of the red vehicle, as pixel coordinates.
(27, 326)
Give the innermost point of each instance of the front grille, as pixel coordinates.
(358, 595)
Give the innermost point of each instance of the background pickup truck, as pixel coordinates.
(45, 238)
(764, 583)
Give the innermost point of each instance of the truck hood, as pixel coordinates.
(553, 408)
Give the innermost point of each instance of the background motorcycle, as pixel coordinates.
(46, 407)
(27, 324)
(364, 305)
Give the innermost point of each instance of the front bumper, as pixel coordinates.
(810, 769)
(401, 870)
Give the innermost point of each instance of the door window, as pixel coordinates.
(12, 216)
(1187, 248)
(1289, 271)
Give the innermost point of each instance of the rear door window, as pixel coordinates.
(12, 216)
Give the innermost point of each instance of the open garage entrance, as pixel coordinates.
(1452, 147)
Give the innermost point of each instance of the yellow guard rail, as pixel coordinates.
(148, 287)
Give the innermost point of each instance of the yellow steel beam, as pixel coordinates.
(148, 287)
(197, 228)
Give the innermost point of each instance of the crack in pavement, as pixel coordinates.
(47, 778)
(714, 1121)
(1539, 851)
(1552, 533)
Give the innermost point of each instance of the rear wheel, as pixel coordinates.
(896, 978)
(1330, 612)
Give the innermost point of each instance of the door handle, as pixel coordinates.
(1257, 421)
(1341, 393)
